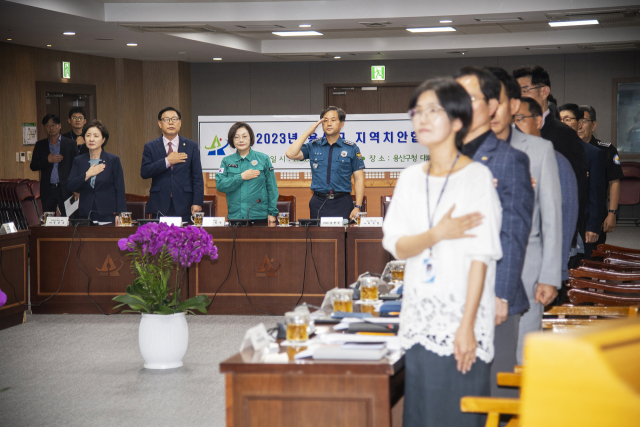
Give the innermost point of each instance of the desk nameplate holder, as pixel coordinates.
(330, 221)
(213, 221)
(374, 221)
(8, 228)
(171, 220)
(57, 221)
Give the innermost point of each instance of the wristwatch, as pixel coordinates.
(358, 206)
(614, 211)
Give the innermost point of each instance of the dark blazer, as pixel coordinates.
(566, 142)
(40, 162)
(83, 148)
(597, 186)
(108, 193)
(511, 168)
(184, 183)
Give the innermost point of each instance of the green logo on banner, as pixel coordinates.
(66, 70)
(215, 144)
(377, 72)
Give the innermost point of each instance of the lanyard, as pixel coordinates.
(429, 216)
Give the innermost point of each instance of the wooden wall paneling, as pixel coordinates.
(161, 89)
(184, 103)
(395, 99)
(131, 116)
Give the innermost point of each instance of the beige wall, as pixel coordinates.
(129, 95)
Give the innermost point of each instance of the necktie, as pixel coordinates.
(170, 151)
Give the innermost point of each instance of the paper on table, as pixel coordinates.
(393, 342)
(70, 206)
(392, 320)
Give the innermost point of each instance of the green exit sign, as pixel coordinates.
(377, 72)
(66, 70)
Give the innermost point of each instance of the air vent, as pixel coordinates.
(193, 28)
(379, 24)
(599, 15)
(543, 48)
(457, 52)
(104, 40)
(299, 56)
(513, 19)
(261, 26)
(610, 46)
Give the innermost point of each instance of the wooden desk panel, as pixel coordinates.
(313, 393)
(270, 263)
(365, 252)
(15, 252)
(94, 251)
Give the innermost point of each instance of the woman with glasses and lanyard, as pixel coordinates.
(444, 220)
(248, 179)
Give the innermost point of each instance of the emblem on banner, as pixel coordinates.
(216, 146)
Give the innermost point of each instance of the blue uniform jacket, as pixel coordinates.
(511, 168)
(597, 185)
(184, 183)
(108, 193)
(345, 160)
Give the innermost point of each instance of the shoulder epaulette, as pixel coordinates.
(348, 142)
(311, 142)
(604, 144)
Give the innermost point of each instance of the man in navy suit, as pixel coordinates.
(510, 169)
(173, 164)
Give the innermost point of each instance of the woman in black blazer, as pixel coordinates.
(97, 176)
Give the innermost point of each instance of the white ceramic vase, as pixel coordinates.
(163, 340)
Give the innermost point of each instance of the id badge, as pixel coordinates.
(428, 271)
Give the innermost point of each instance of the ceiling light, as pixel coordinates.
(446, 21)
(296, 33)
(217, 59)
(69, 33)
(573, 23)
(48, 45)
(431, 29)
(9, 40)
(336, 57)
(132, 44)
(304, 25)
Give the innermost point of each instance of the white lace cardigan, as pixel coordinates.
(431, 313)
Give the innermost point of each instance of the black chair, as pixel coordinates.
(287, 204)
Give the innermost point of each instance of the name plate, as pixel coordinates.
(213, 221)
(374, 221)
(8, 228)
(256, 338)
(57, 221)
(171, 220)
(331, 221)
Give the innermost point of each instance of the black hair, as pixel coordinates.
(552, 98)
(534, 108)
(589, 109)
(511, 86)
(55, 118)
(234, 129)
(77, 110)
(164, 110)
(573, 109)
(539, 75)
(453, 98)
(101, 127)
(341, 114)
(489, 84)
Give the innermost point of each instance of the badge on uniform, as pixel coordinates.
(428, 271)
(254, 163)
(359, 156)
(616, 159)
(232, 165)
(271, 169)
(315, 166)
(221, 170)
(344, 154)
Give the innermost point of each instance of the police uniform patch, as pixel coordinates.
(604, 144)
(359, 156)
(271, 169)
(315, 166)
(616, 159)
(348, 142)
(221, 170)
(254, 163)
(343, 154)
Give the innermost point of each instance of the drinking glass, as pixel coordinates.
(125, 217)
(197, 218)
(45, 215)
(283, 217)
(297, 324)
(397, 271)
(359, 217)
(369, 288)
(342, 301)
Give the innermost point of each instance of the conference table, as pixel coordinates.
(312, 393)
(273, 268)
(14, 252)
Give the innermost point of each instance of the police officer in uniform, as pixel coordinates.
(246, 177)
(613, 170)
(333, 161)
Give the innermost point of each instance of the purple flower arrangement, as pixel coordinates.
(157, 249)
(3, 298)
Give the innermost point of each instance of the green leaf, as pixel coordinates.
(166, 310)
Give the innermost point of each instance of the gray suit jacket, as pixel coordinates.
(543, 262)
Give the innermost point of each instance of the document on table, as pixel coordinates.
(71, 205)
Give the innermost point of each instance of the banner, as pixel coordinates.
(387, 141)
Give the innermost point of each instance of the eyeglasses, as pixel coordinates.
(519, 118)
(525, 89)
(568, 120)
(584, 121)
(171, 119)
(429, 112)
(477, 98)
(77, 119)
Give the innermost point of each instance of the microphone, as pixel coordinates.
(160, 213)
(249, 210)
(321, 206)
